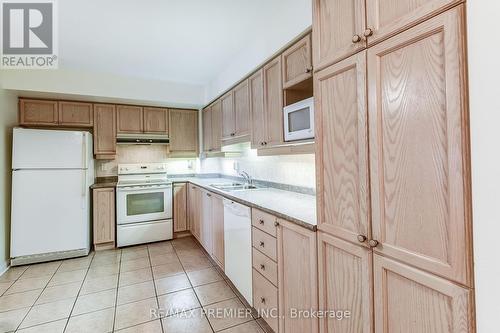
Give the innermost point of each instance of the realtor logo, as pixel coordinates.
(28, 34)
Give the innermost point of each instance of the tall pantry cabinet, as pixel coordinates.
(394, 240)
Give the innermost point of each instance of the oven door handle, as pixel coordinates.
(141, 188)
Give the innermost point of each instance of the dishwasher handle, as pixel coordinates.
(236, 208)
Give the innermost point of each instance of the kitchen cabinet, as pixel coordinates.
(345, 283)
(155, 120)
(241, 109)
(265, 300)
(129, 119)
(180, 207)
(409, 300)
(419, 148)
(216, 113)
(258, 123)
(75, 114)
(218, 230)
(38, 112)
(104, 131)
(207, 129)
(273, 103)
(297, 284)
(228, 121)
(206, 221)
(297, 63)
(342, 150)
(104, 218)
(183, 131)
(194, 211)
(338, 27)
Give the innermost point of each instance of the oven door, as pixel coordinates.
(143, 203)
(298, 120)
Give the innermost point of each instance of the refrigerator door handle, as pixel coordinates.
(84, 150)
(84, 187)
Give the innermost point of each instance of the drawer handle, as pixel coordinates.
(276, 223)
(263, 267)
(263, 300)
(261, 243)
(261, 221)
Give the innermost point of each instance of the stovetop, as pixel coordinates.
(142, 174)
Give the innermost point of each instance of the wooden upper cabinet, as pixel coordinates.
(155, 120)
(258, 124)
(273, 102)
(241, 109)
(38, 112)
(218, 230)
(76, 114)
(338, 27)
(297, 62)
(129, 119)
(409, 300)
(345, 282)
(342, 149)
(298, 286)
(180, 207)
(104, 130)
(207, 129)
(388, 17)
(419, 147)
(183, 130)
(216, 113)
(228, 120)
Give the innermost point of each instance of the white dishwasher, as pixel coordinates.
(238, 247)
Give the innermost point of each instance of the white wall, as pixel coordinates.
(102, 87)
(8, 118)
(292, 17)
(484, 87)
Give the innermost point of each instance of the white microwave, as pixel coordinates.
(298, 120)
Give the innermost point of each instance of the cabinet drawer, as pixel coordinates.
(264, 243)
(264, 221)
(265, 266)
(265, 300)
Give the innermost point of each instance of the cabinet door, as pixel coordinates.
(206, 221)
(194, 210)
(386, 18)
(129, 119)
(183, 131)
(218, 230)
(409, 300)
(228, 129)
(345, 283)
(297, 62)
(75, 114)
(104, 217)
(258, 123)
(338, 27)
(298, 286)
(342, 149)
(216, 126)
(273, 102)
(156, 120)
(419, 147)
(207, 129)
(241, 109)
(180, 208)
(104, 130)
(38, 112)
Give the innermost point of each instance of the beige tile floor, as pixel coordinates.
(115, 291)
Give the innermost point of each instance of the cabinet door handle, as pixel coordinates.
(368, 32)
(209, 195)
(263, 300)
(373, 243)
(261, 221)
(261, 243)
(276, 223)
(356, 39)
(309, 70)
(361, 238)
(263, 267)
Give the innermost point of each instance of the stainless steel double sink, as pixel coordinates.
(234, 186)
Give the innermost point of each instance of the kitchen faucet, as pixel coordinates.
(247, 177)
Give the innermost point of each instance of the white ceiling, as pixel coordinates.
(173, 40)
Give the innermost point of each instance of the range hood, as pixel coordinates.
(142, 139)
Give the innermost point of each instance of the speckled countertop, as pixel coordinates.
(291, 206)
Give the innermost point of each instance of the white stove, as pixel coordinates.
(144, 204)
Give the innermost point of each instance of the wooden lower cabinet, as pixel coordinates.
(206, 221)
(218, 230)
(194, 211)
(265, 300)
(104, 218)
(297, 278)
(344, 284)
(407, 299)
(180, 207)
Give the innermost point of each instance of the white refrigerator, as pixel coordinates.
(52, 171)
